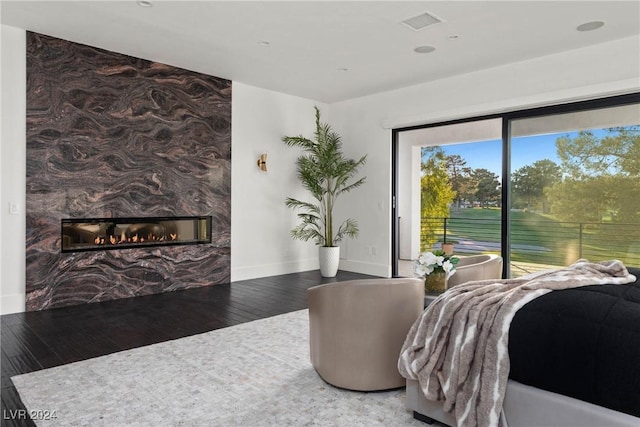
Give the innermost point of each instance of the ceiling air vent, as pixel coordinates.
(421, 21)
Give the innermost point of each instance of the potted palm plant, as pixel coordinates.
(326, 173)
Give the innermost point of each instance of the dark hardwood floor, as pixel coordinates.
(44, 339)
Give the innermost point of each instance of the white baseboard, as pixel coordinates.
(266, 270)
(12, 303)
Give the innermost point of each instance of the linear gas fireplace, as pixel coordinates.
(119, 233)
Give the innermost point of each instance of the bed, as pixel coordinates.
(575, 361)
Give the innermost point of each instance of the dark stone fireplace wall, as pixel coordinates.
(109, 135)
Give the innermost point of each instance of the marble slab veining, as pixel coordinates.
(109, 135)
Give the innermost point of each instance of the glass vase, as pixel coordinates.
(436, 282)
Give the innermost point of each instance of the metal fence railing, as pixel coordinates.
(535, 243)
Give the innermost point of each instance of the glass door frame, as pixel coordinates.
(507, 118)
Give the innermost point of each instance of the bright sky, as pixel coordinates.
(524, 151)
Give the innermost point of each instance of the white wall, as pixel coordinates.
(360, 126)
(12, 169)
(408, 199)
(605, 69)
(260, 221)
(364, 123)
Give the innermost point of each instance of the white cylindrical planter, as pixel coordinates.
(329, 260)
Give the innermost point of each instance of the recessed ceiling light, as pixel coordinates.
(590, 26)
(263, 43)
(424, 49)
(144, 3)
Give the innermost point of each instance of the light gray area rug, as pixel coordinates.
(253, 374)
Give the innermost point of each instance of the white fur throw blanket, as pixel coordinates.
(458, 348)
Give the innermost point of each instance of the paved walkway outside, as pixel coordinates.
(405, 268)
(477, 246)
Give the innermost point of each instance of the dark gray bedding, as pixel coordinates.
(583, 343)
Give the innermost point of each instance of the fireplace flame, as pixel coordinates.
(116, 233)
(115, 240)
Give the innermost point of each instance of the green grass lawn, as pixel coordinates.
(539, 238)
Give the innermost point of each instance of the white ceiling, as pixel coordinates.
(311, 41)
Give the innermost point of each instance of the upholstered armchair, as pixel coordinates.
(357, 329)
(476, 267)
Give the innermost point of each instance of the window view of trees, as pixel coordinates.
(528, 185)
(455, 182)
(449, 185)
(601, 177)
(487, 188)
(436, 191)
(578, 197)
(461, 182)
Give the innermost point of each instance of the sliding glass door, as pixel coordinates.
(449, 189)
(575, 188)
(542, 187)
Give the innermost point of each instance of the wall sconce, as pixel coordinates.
(262, 162)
